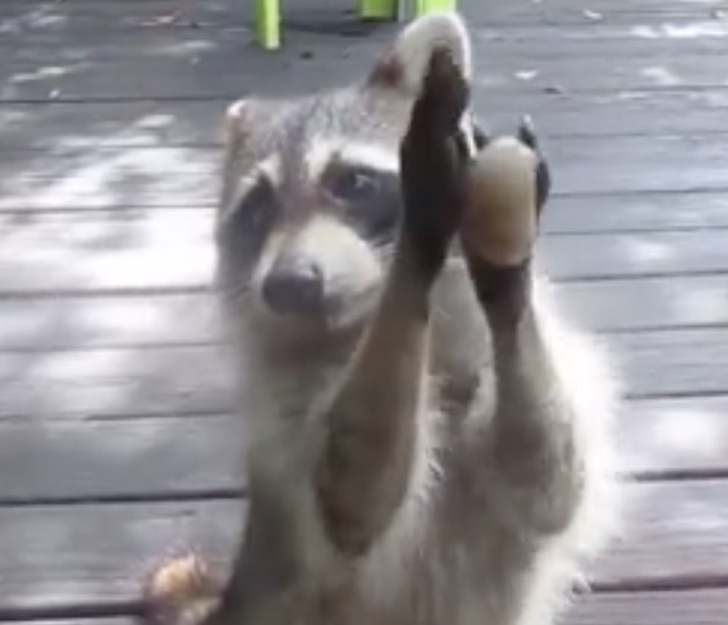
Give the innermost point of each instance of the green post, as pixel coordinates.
(428, 6)
(378, 9)
(268, 23)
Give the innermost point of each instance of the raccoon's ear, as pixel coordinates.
(237, 123)
(404, 67)
(237, 120)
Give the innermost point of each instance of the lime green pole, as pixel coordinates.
(378, 9)
(268, 23)
(428, 6)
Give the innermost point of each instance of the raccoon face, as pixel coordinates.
(306, 237)
(311, 198)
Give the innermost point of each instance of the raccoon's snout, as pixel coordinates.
(320, 275)
(294, 286)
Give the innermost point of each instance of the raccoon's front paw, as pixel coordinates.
(508, 183)
(183, 591)
(434, 158)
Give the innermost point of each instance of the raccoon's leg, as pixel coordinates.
(530, 443)
(370, 448)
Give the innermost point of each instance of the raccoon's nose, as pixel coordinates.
(294, 287)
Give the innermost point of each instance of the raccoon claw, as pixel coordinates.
(434, 157)
(527, 135)
(527, 132)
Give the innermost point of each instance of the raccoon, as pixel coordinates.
(428, 438)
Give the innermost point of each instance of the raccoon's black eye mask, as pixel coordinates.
(247, 225)
(355, 184)
(368, 197)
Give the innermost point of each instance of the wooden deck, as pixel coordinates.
(115, 446)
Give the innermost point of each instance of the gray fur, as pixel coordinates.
(470, 472)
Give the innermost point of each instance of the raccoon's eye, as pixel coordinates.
(371, 198)
(355, 184)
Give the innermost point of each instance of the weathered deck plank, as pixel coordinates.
(101, 319)
(181, 122)
(696, 607)
(174, 176)
(104, 63)
(147, 31)
(301, 13)
(170, 456)
(85, 554)
(72, 252)
(195, 379)
(701, 607)
(201, 77)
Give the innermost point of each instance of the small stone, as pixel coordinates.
(306, 54)
(556, 89)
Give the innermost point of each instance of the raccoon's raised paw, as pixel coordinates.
(508, 183)
(434, 158)
(183, 591)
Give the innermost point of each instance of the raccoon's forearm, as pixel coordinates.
(366, 466)
(531, 443)
(523, 368)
